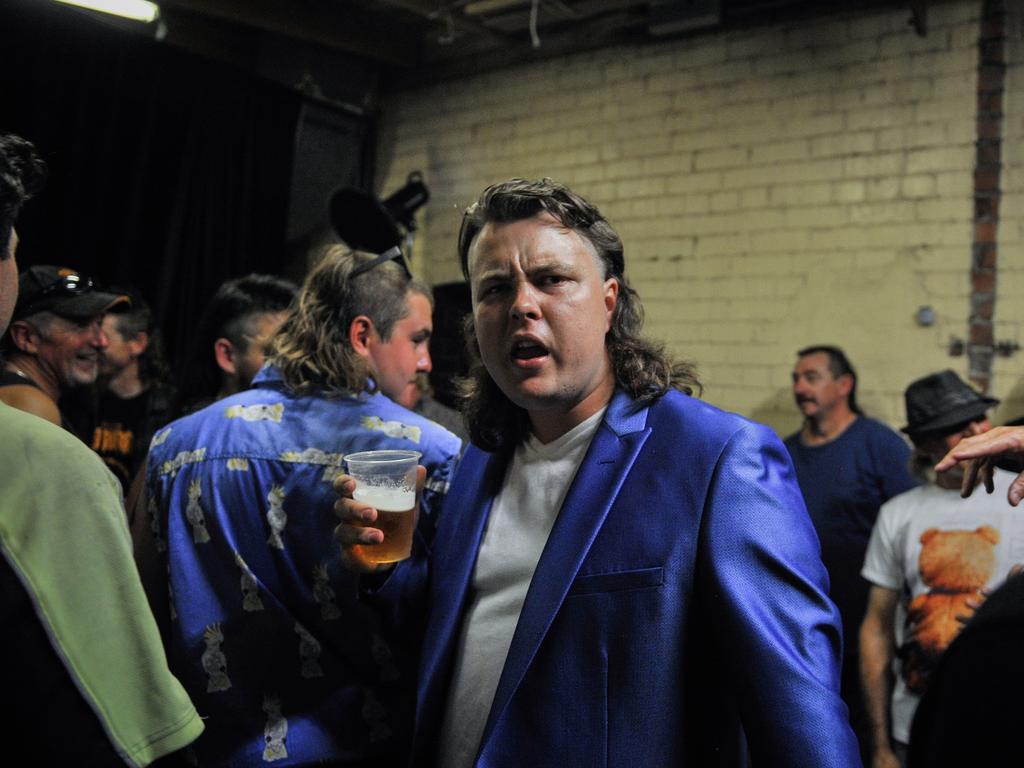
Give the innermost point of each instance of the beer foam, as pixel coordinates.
(386, 499)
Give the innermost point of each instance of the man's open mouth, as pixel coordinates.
(528, 349)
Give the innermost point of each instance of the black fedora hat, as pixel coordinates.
(940, 401)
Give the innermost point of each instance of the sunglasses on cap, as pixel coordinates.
(391, 254)
(73, 285)
(70, 285)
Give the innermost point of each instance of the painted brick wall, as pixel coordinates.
(775, 187)
(1008, 372)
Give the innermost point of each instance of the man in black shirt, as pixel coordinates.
(134, 398)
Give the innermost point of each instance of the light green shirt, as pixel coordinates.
(63, 531)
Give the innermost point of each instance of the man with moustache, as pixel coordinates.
(847, 465)
(621, 574)
(54, 340)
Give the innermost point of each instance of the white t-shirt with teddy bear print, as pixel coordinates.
(938, 549)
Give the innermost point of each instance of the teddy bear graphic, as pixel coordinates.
(956, 565)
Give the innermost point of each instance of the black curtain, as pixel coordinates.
(167, 171)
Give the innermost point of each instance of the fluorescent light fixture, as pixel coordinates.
(140, 10)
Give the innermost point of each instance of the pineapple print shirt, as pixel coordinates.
(285, 663)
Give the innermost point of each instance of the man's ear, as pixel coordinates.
(611, 300)
(25, 337)
(845, 382)
(224, 354)
(139, 344)
(359, 334)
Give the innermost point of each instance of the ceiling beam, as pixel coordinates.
(332, 25)
(610, 29)
(443, 12)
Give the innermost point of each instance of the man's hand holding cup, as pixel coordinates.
(378, 506)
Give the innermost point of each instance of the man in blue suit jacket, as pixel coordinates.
(622, 575)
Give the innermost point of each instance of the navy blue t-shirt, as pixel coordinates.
(844, 482)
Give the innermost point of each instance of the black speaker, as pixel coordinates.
(447, 343)
(366, 224)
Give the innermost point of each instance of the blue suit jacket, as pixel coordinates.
(680, 594)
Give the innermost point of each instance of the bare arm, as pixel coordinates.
(877, 646)
(31, 400)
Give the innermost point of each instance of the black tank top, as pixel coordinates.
(12, 379)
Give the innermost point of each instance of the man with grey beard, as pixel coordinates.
(85, 676)
(54, 340)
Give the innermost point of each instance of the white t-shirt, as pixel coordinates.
(523, 513)
(967, 540)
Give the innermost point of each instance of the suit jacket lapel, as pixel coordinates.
(612, 452)
(453, 558)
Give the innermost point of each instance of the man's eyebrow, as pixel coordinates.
(544, 263)
(494, 273)
(538, 264)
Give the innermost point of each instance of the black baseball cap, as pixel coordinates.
(64, 292)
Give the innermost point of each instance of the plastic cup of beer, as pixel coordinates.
(386, 481)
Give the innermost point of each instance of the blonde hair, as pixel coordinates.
(312, 349)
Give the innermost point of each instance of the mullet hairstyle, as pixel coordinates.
(139, 318)
(229, 314)
(312, 349)
(642, 368)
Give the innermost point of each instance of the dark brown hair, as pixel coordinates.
(838, 365)
(642, 368)
(232, 313)
(22, 173)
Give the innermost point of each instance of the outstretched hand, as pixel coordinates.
(982, 451)
(355, 533)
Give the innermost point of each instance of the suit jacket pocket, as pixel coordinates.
(619, 581)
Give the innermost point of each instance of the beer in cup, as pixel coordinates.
(386, 481)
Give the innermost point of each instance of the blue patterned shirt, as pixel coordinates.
(285, 663)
